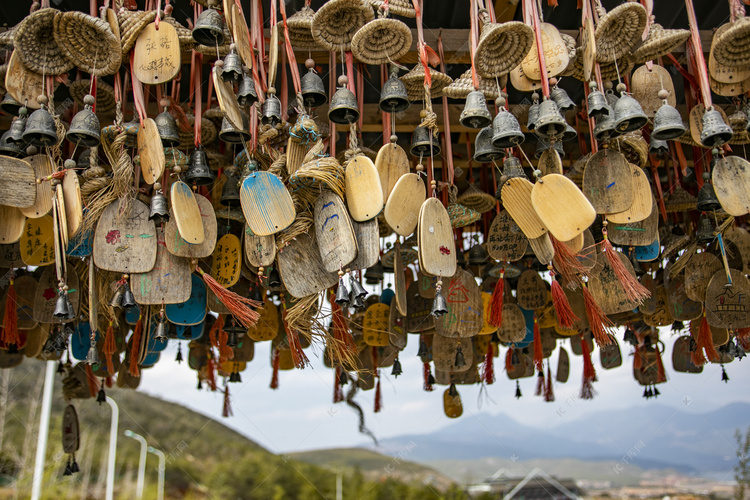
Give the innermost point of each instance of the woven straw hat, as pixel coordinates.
(300, 29)
(402, 8)
(336, 22)
(6, 38)
(3, 72)
(732, 46)
(619, 30)
(131, 25)
(88, 42)
(679, 200)
(414, 82)
(660, 42)
(502, 47)
(35, 43)
(381, 41)
(477, 200)
(464, 84)
(184, 35)
(208, 133)
(105, 94)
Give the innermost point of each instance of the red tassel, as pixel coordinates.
(135, 348)
(108, 382)
(496, 302)
(549, 395)
(566, 262)
(215, 329)
(488, 373)
(211, 371)
(92, 380)
(275, 365)
(589, 373)
(10, 317)
(552, 3)
(598, 321)
(580, 4)
(343, 345)
(427, 376)
(239, 306)
(227, 411)
(637, 359)
(110, 347)
(338, 393)
(539, 384)
(633, 289)
(565, 315)
(378, 396)
(225, 352)
(661, 375)
(509, 360)
(298, 355)
(704, 342)
(538, 351)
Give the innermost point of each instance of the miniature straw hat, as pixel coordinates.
(131, 25)
(679, 200)
(502, 47)
(6, 38)
(88, 42)
(300, 29)
(619, 31)
(381, 41)
(35, 44)
(732, 46)
(105, 94)
(477, 200)
(403, 8)
(660, 42)
(464, 84)
(336, 22)
(414, 82)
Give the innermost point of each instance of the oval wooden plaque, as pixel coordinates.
(391, 163)
(607, 182)
(260, 251)
(179, 247)
(125, 243)
(728, 306)
(334, 232)
(550, 195)
(516, 196)
(302, 270)
(731, 182)
(151, 150)
(505, 240)
(167, 283)
(364, 194)
(227, 261)
(156, 56)
(404, 203)
(37, 243)
(12, 226)
(266, 203)
(437, 250)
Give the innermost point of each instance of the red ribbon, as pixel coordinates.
(700, 61)
(290, 52)
(138, 100)
(421, 45)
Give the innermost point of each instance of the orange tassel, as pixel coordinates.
(427, 377)
(661, 375)
(378, 396)
(589, 372)
(225, 352)
(565, 314)
(108, 382)
(276, 360)
(704, 342)
(566, 262)
(580, 4)
(598, 321)
(215, 329)
(110, 347)
(298, 355)
(488, 373)
(239, 306)
(539, 384)
(496, 302)
(343, 344)
(634, 291)
(509, 360)
(549, 395)
(538, 351)
(637, 359)
(211, 371)
(93, 382)
(227, 411)
(552, 3)
(338, 393)
(135, 348)
(10, 317)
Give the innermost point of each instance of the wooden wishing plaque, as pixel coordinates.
(728, 306)
(452, 406)
(505, 240)
(721, 72)
(550, 162)
(71, 193)
(731, 181)
(391, 163)
(46, 296)
(43, 201)
(37, 243)
(70, 428)
(556, 57)
(10, 255)
(25, 297)
(187, 214)
(607, 289)
(404, 203)
(364, 195)
(640, 233)
(610, 355)
(661, 316)
(240, 33)
(167, 283)
(13, 224)
(397, 336)
(399, 280)
(608, 182)
(302, 269)
(437, 250)
(375, 325)
(333, 232)
(642, 205)
(193, 310)
(17, 183)
(647, 82)
(260, 251)
(227, 100)
(368, 244)
(516, 197)
(266, 203)
(680, 306)
(179, 247)
(125, 243)
(513, 327)
(741, 238)
(150, 150)
(465, 316)
(563, 366)
(647, 253)
(23, 84)
(156, 57)
(542, 248)
(698, 274)
(576, 244)
(589, 49)
(681, 358)
(561, 206)
(418, 317)
(531, 292)
(444, 350)
(227, 261)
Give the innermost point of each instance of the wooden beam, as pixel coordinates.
(505, 10)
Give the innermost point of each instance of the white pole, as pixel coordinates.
(41, 444)
(162, 470)
(141, 462)
(339, 486)
(112, 448)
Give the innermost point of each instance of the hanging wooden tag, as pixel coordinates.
(542, 248)
(364, 194)
(513, 327)
(505, 240)
(437, 250)
(125, 243)
(548, 197)
(521, 82)
(35, 340)
(610, 355)
(681, 359)
(25, 297)
(647, 82)
(607, 182)
(193, 310)
(18, 186)
(680, 306)
(719, 336)
(550, 162)
(699, 273)
(741, 238)
(404, 203)
(334, 232)
(578, 306)
(399, 280)
(640, 233)
(45, 297)
(728, 306)
(125, 380)
(151, 150)
(642, 205)
(59, 222)
(486, 327)
(227, 100)
(427, 285)
(167, 283)
(575, 343)
(13, 224)
(178, 246)
(37, 243)
(661, 316)
(576, 244)
(240, 34)
(71, 194)
(516, 196)
(607, 290)
(397, 334)
(368, 244)
(731, 251)
(260, 251)
(23, 84)
(589, 48)
(647, 253)
(302, 270)
(267, 327)
(187, 214)
(418, 317)
(80, 341)
(10, 255)
(731, 182)
(556, 56)
(43, 200)
(71, 434)
(227, 261)
(452, 406)
(465, 313)
(563, 366)
(519, 366)
(243, 354)
(266, 203)
(444, 351)
(531, 292)
(156, 56)
(375, 325)
(391, 163)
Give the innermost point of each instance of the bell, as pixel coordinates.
(707, 200)
(605, 127)
(162, 332)
(92, 357)
(233, 341)
(167, 128)
(475, 113)
(562, 99)
(550, 123)
(478, 255)
(231, 135)
(506, 131)
(533, 113)
(342, 294)
(357, 303)
(357, 289)
(343, 109)
(705, 231)
(667, 123)
(234, 326)
(40, 129)
(274, 280)
(16, 129)
(596, 103)
(61, 306)
(84, 127)
(636, 265)
(512, 167)
(230, 193)
(393, 95)
(313, 90)
(424, 144)
(544, 145)
(128, 300)
(656, 147)
(246, 94)
(630, 337)
(629, 115)
(484, 151)
(198, 172)
(374, 274)
(159, 208)
(739, 350)
(209, 29)
(9, 105)
(116, 301)
(231, 70)
(715, 131)
(256, 294)
(569, 134)
(271, 110)
(460, 360)
(69, 305)
(8, 148)
(250, 167)
(439, 305)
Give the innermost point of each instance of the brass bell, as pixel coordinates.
(343, 109)
(484, 151)
(92, 357)
(705, 231)
(209, 29)
(506, 131)
(313, 89)
(159, 208)
(342, 295)
(9, 105)
(40, 129)
(475, 113)
(128, 300)
(439, 305)
(198, 172)
(167, 128)
(550, 122)
(533, 112)
(61, 306)
(478, 255)
(393, 95)
(230, 193)
(116, 301)
(231, 135)
(271, 110)
(605, 127)
(246, 93)
(231, 70)
(84, 127)
(162, 332)
(707, 200)
(17, 126)
(357, 290)
(667, 123)
(656, 147)
(562, 99)
(374, 274)
(629, 115)
(8, 148)
(424, 144)
(569, 134)
(715, 131)
(596, 103)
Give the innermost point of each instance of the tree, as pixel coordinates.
(742, 471)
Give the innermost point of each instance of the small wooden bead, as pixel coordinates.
(343, 80)
(394, 138)
(157, 186)
(219, 63)
(42, 99)
(663, 94)
(621, 87)
(309, 63)
(553, 81)
(271, 90)
(69, 164)
(89, 99)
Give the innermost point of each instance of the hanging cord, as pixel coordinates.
(446, 118)
(290, 53)
(697, 50)
(531, 5)
(474, 42)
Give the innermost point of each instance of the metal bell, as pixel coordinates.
(84, 127)
(8, 148)
(128, 300)
(484, 151)
(707, 200)
(342, 295)
(393, 95)
(92, 357)
(506, 131)
(439, 305)
(230, 193)
(159, 208)
(656, 147)
(198, 172)
(550, 122)
(533, 112)
(234, 326)
(357, 303)
(715, 131)
(271, 110)
(116, 301)
(69, 304)
(475, 113)
(313, 90)
(478, 255)
(40, 129)
(246, 94)
(257, 294)
(512, 168)
(209, 28)
(357, 289)
(424, 144)
(233, 341)
(231, 135)
(231, 70)
(544, 145)
(629, 115)
(705, 231)
(16, 129)
(274, 279)
(562, 99)
(167, 128)
(9, 105)
(569, 134)
(667, 123)
(605, 126)
(61, 306)
(374, 274)
(343, 109)
(162, 332)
